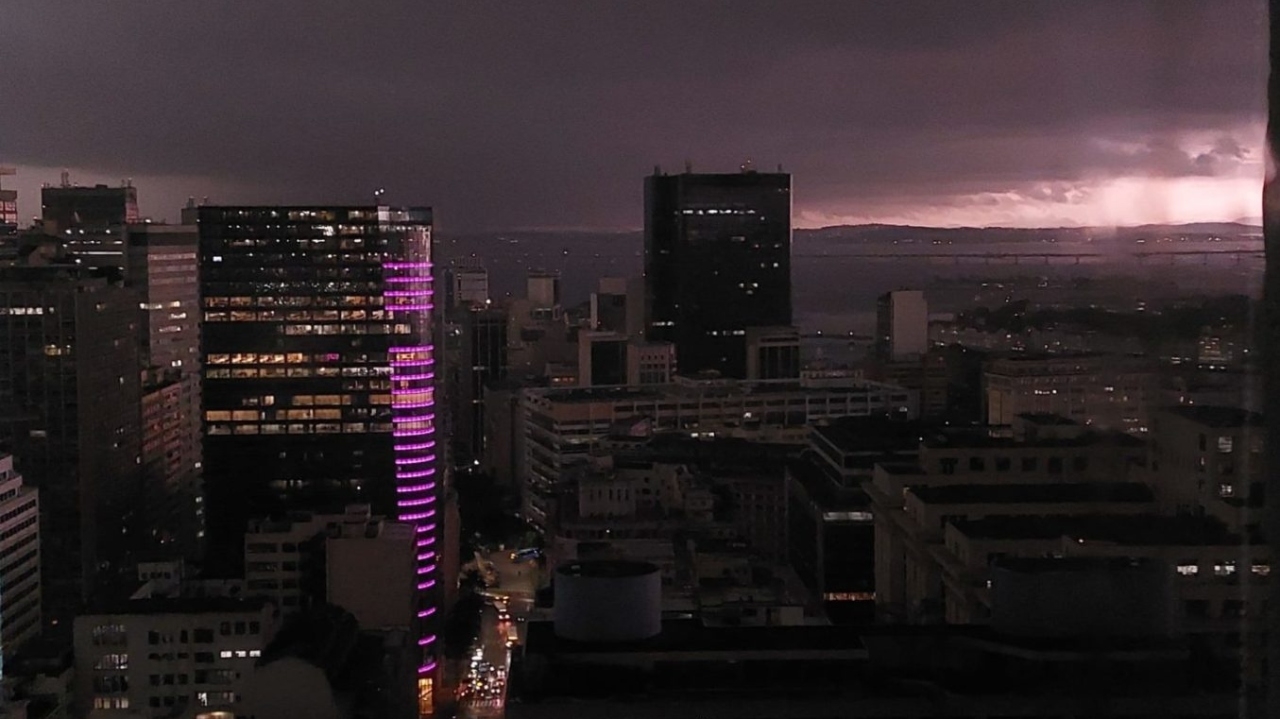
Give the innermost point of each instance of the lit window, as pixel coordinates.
(1188, 569)
(1225, 445)
(1226, 490)
(1224, 569)
(225, 654)
(1262, 569)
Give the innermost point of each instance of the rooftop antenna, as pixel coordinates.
(191, 201)
(688, 167)
(746, 166)
(657, 170)
(377, 195)
(66, 178)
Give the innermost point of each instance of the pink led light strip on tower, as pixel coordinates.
(407, 295)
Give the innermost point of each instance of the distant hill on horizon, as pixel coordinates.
(900, 233)
(920, 233)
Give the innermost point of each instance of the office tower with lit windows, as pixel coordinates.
(319, 371)
(717, 260)
(69, 398)
(160, 264)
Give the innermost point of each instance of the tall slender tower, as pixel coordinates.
(717, 260)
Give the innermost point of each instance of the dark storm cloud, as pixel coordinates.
(547, 114)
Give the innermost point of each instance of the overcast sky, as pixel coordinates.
(506, 115)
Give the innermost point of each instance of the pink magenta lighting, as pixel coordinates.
(407, 297)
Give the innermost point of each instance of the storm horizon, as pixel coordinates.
(519, 118)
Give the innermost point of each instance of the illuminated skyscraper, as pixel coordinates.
(717, 260)
(319, 370)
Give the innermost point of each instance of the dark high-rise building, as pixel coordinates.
(602, 358)
(68, 207)
(717, 254)
(160, 264)
(484, 360)
(318, 353)
(69, 399)
(90, 220)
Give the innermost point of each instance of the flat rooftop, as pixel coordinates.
(1047, 419)
(980, 438)
(691, 636)
(1066, 493)
(1132, 530)
(823, 490)
(181, 605)
(1218, 417)
(871, 434)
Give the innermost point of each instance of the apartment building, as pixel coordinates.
(181, 653)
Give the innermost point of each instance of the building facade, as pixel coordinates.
(70, 390)
(19, 560)
(902, 325)
(161, 265)
(717, 255)
(1104, 391)
(163, 656)
(561, 425)
(320, 371)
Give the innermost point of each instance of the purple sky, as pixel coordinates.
(509, 115)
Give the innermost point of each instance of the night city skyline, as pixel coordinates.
(1112, 114)
(629, 359)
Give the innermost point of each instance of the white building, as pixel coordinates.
(169, 655)
(19, 559)
(902, 325)
(470, 286)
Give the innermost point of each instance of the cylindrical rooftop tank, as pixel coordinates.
(608, 601)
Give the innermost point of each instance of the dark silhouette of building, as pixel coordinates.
(74, 207)
(717, 255)
(69, 399)
(484, 360)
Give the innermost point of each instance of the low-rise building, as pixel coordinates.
(562, 425)
(182, 653)
(1206, 459)
(1111, 392)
